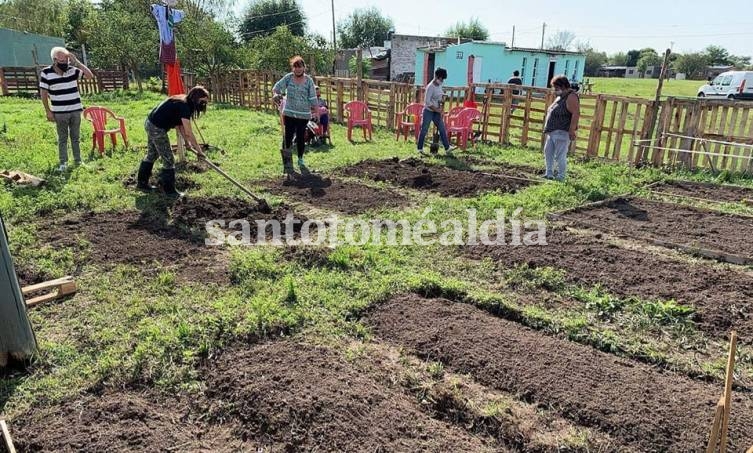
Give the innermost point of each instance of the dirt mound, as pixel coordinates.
(30, 275)
(193, 213)
(706, 191)
(343, 196)
(297, 397)
(138, 239)
(722, 299)
(670, 223)
(118, 421)
(639, 406)
(192, 166)
(416, 174)
(182, 182)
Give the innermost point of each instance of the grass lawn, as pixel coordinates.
(645, 88)
(148, 324)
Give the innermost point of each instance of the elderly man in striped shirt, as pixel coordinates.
(58, 85)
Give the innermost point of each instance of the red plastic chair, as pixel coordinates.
(462, 126)
(359, 115)
(98, 117)
(408, 119)
(453, 114)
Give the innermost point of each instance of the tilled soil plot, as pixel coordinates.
(711, 192)
(296, 397)
(149, 242)
(637, 405)
(721, 298)
(119, 421)
(343, 196)
(416, 174)
(670, 223)
(523, 171)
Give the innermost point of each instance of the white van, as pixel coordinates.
(729, 85)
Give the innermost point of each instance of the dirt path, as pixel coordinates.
(634, 403)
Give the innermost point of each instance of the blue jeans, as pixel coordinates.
(436, 118)
(555, 153)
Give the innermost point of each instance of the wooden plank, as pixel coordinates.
(712, 124)
(718, 148)
(526, 116)
(3, 81)
(734, 131)
(610, 128)
(8, 440)
(620, 132)
(716, 426)
(728, 391)
(633, 135)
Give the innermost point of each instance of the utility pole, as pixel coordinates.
(334, 40)
(512, 44)
(543, 31)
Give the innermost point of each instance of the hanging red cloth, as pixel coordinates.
(174, 79)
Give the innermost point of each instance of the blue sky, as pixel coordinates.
(608, 25)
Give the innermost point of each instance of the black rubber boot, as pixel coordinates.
(142, 180)
(287, 162)
(167, 180)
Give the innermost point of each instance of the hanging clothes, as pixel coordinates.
(167, 18)
(174, 79)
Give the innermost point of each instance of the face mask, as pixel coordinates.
(63, 66)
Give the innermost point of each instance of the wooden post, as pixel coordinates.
(728, 390)
(692, 121)
(6, 436)
(504, 126)
(359, 74)
(655, 108)
(181, 147)
(4, 81)
(597, 124)
(340, 102)
(391, 108)
(16, 335)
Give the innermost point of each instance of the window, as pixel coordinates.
(523, 68)
(726, 81)
(567, 67)
(575, 72)
(535, 68)
(459, 55)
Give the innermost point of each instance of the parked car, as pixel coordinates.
(729, 85)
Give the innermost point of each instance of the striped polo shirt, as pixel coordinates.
(63, 89)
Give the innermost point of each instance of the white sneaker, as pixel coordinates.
(62, 168)
(450, 149)
(421, 152)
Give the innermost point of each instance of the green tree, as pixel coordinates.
(594, 61)
(263, 17)
(717, 55)
(692, 64)
(273, 52)
(126, 35)
(45, 17)
(366, 66)
(474, 29)
(81, 17)
(619, 59)
(632, 57)
(364, 27)
(207, 46)
(648, 57)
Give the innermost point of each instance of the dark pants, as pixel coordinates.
(295, 127)
(436, 118)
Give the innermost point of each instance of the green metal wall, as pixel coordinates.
(16, 47)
